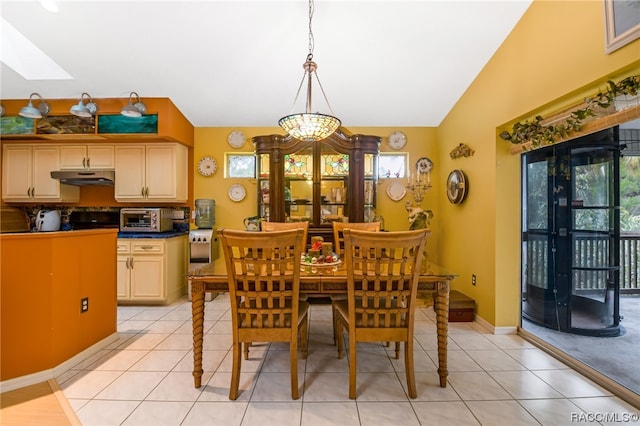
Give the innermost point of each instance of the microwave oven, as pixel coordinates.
(146, 220)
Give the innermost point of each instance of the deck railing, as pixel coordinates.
(589, 252)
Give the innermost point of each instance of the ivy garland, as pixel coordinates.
(539, 134)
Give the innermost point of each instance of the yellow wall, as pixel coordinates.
(552, 59)
(213, 142)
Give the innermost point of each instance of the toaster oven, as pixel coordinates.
(146, 220)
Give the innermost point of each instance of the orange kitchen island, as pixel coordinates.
(44, 276)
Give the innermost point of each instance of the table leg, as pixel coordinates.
(442, 321)
(197, 317)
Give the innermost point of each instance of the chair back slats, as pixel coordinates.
(339, 227)
(281, 226)
(382, 270)
(264, 277)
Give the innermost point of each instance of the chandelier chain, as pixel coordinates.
(311, 40)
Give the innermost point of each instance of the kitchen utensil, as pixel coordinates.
(48, 220)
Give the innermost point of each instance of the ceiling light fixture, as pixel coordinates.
(82, 109)
(134, 110)
(310, 126)
(32, 112)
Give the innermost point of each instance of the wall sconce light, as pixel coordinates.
(134, 110)
(82, 109)
(32, 112)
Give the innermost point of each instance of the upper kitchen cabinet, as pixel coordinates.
(163, 122)
(26, 175)
(320, 182)
(151, 172)
(87, 157)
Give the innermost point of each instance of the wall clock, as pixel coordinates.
(397, 139)
(207, 166)
(457, 187)
(237, 192)
(236, 139)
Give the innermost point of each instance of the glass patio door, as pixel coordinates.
(570, 236)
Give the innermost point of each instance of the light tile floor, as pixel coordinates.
(145, 379)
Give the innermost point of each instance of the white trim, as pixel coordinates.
(486, 325)
(52, 373)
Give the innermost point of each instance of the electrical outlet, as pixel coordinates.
(84, 304)
(473, 279)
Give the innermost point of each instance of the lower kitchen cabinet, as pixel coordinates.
(151, 270)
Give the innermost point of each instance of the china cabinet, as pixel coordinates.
(319, 182)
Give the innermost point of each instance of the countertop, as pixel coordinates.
(169, 234)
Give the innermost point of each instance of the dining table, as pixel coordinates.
(317, 280)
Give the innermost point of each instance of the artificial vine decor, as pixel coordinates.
(539, 134)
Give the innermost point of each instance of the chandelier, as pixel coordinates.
(310, 126)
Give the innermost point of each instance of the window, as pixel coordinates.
(240, 165)
(392, 165)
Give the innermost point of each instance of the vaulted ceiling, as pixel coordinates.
(239, 63)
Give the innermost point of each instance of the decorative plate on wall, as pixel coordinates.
(457, 187)
(397, 139)
(424, 165)
(207, 166)
(236, 139)
(396, 191)
(237, 192)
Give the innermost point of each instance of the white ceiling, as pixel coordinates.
(239, 63)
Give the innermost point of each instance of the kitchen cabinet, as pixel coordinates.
(87, 157)
(151, 172)
(320, 182)
(151, 270)
(26, 175)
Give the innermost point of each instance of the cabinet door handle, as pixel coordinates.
(146, 192)
(84, 162)
(146, 247)
(131, 263)
(142, 191)
(88, 161)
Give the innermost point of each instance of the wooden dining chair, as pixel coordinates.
(280, 226)
(263, 271)
(338, 244)
(382, 277)
(339, 227)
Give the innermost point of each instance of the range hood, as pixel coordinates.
(84, 177)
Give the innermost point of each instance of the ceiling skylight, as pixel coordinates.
(24, 57)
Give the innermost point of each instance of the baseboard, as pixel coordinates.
(487, 326)
(52, 373)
